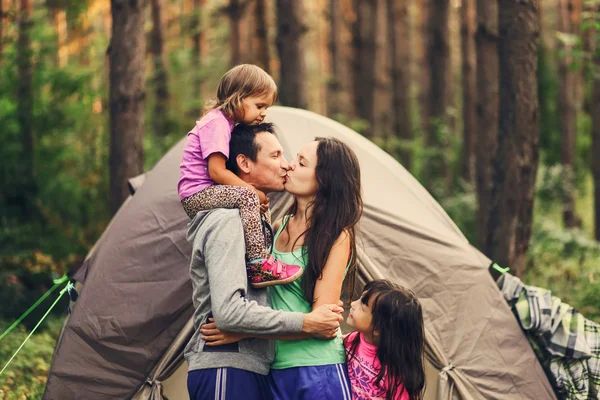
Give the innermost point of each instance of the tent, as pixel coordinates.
(125, 336)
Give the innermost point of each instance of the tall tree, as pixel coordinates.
(469, 86)
(261, 40)
(399, 39)
(424, 9)
(159, 80)
(127, 96)
(438, 58)
(291, 31)
(197, 39)
(569, 22)
(28, 187)
(515, 165)
(363, 63)
(234, 11)
(2, 11)
(487, 108)
(595, 113)
(334, 83)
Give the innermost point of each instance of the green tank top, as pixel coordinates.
(290, 297)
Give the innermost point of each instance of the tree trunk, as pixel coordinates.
(28, 187)
(400, 54)
(235, 15)
(363, 65)
(127, 96)
(159, 80)
(2, 11)
(487, 108)
(261, 40)
(569, 12)
(589, 10)
(334, 83)
(595, 113)
(469, 86)
(438, 58)
(290, 39)
(424, 9)
(197, 38)
(515, 166)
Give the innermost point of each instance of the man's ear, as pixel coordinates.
(243, 163)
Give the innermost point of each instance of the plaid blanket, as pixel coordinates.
(566, 343)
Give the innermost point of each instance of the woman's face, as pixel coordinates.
(301, 177)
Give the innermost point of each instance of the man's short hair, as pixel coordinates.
(243, 141)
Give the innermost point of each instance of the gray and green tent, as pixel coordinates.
(126, 334)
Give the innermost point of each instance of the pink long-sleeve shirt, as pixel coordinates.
(362, 370)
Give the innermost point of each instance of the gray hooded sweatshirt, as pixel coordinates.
(221, 290)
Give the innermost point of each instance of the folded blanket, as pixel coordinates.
(567, 343)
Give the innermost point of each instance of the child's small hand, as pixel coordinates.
(262, 197)
(264, 207)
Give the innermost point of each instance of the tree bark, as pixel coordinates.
(515, 166)
(469, 86)
(438, 58)
(235, 15)
(159, 80)
(595, 113)
(127, 96)
(2, 11)
(197, 39)
(363, 64)
(487, 108)
(569, 13)
(400, 44)
(28, 189)
(334, 83)
(424, 9)
(261, 40)
(290, 39)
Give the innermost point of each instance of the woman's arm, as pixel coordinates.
(220, 174)
(327, 291)
(329, 287)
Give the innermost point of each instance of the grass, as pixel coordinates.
(25, 377)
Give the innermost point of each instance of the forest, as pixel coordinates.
(499, 121)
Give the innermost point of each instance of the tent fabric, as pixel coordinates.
(129, 322)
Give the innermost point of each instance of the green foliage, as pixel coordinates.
(565, 261)
(25, 377)
(550, 144)
(70, 158)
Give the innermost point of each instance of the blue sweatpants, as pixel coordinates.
(227, 384)
(324, 382)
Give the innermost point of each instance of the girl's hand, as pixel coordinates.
(262, 197)
(215, 337)
(264, 207)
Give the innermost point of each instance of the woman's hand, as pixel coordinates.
(215, 337)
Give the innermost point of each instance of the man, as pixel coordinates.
(220, 287)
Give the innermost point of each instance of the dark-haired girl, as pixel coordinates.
(385, 353)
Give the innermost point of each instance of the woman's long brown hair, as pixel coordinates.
(336, 207)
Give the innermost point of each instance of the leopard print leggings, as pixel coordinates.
(224, 196)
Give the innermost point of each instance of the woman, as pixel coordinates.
(317, 233)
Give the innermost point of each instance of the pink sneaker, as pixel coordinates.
(271, 272)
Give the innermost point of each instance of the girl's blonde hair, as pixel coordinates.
(241, 81)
